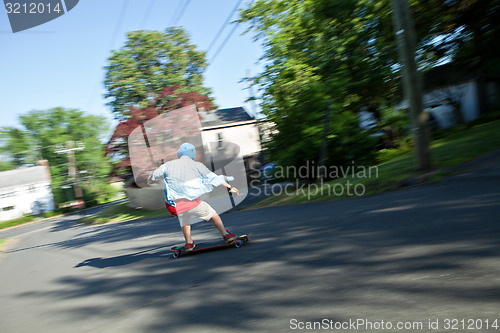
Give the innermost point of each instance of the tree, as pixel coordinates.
(148, 62)
(170, 98)
(465, 33)
(412, 83)
(43, 132)
(345, 52)
(6, 165)
(19, 146)
(319, 51)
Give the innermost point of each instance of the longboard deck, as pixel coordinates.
(177, 251)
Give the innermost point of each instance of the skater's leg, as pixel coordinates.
(217, 222)
(186, 230)
(226, 234)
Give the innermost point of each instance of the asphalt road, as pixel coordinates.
(426, 258)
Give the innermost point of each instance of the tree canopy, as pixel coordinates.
(461, 31)
(345, 52)
(170, 98)
(319, 51)
(147, 63)
(43, 132)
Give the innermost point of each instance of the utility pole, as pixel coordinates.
(250, 90)
(412, 84)
(324, 141)
(70, 150)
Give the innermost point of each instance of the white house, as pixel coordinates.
(25, 191)
(226, 135)
(452, 95)
(231, 125)
(437, 102)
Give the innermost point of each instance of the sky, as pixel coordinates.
(61, 63)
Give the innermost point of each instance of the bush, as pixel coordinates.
(299, 143)
(385, 155)
(51, 213)
(486, 117)
(396, 126)
(98, 193)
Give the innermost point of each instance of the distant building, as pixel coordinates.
(25, 191)
(231, 125)
(225, 135)
(452, 96)
(443, 112)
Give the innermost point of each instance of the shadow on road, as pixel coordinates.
(427, 252)
(126, 259)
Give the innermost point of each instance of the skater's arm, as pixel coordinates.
(212, 178)
(217, 180)
(156, 174)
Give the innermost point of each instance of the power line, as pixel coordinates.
(226, 22)
(228, 36)
(223, 43)
(146, 15)
(179, 16)
(118, 24)
(175, 14)
(112, 42)
(182, 11)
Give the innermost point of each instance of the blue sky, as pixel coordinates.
(61, 63)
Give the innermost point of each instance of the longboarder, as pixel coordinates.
(184, 181)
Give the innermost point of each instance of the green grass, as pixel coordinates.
(122, 212)
(11, 223)
(3, 241)
(48, 214)
(455, 147)
(451, 150)
(464, 146)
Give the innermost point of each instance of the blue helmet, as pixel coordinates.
(187, 149)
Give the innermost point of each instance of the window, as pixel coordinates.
(5, 209)
(220, 141)
(6, 195)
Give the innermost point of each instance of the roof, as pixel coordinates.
(26, 176)
(445, 75)
(224, 117)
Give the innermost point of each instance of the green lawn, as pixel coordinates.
(122, 212)
(457, 147)
(30, 218)
(3, 241)
(11, 223)
(452, 150)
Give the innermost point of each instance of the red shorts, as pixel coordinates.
(182, 205)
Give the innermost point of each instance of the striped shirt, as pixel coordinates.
(184, 178)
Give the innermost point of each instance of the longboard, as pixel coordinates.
(177, 251)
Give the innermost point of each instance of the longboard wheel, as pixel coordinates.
(238, 243)
(176, 255)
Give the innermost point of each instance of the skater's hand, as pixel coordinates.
(150, 180)
(233, 190)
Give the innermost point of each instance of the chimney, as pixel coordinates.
(45, 164)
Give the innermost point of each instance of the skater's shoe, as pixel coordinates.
(189, 246)
(229, 237)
